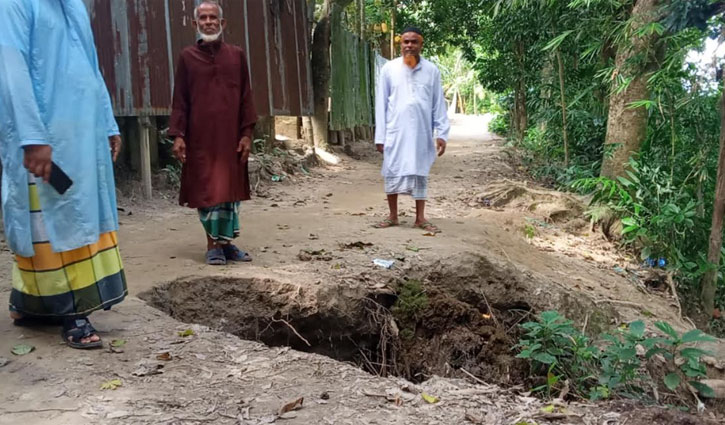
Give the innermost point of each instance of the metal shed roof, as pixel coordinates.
(138, 42)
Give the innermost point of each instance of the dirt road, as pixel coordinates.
(507, 249)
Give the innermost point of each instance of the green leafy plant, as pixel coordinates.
(529, 231)
(173, 174)
(611, 365)
(677, 350)
(653, 213)
(412, 300)
(499, 125)
(619, 364)
(555, 346)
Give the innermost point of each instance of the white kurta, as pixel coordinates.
(409, 107)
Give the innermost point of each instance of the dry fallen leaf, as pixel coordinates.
(474, 419)
(295, 405)
(147, 369)
(430, 399)
(164, 356)
(112, 384)
(288, 415)
(22, 349)
(431, 234)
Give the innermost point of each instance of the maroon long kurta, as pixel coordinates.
(212, 110)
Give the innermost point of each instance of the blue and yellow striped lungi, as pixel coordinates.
(70, 283)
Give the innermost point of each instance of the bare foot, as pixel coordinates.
(92, 338)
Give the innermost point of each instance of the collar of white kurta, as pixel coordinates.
(417, 67)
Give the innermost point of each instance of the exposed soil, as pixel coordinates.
(453, 335)
(452, 331)
(334, 324)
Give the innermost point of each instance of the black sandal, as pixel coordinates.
(74, 330)
(232, 253)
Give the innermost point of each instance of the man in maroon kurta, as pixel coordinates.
(212, 121)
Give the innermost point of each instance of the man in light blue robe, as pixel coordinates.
(409, 108)
(55, 108)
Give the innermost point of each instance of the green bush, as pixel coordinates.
(500, 125)
(610, 366)
(557, 349)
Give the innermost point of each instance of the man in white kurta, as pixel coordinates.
(409, 108)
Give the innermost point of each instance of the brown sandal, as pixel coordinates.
(385, 224)
(428, 227)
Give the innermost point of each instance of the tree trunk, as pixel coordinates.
(392, 32)
(475, 106)
(563, 108)
(264, 129)
(709, 280)
(699, 193)
(308, 132)
(321, 78)
(520, 118)
(454, 104)
(626, 126)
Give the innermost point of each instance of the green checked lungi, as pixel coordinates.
(221, 222)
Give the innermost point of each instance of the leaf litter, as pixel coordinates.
(22, 349)
(112, 384)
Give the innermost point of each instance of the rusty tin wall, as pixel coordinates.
(138, 42)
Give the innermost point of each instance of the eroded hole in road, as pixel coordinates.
(418, 330)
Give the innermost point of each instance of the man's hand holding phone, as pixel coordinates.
(38, 160)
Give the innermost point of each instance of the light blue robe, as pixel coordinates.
(409, 107)
(52, 92)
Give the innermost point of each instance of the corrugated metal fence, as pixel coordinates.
(352, 82)
(138, 42)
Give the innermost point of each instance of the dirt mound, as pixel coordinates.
(279, 165)
(550, 205)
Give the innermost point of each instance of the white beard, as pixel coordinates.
(209, 38)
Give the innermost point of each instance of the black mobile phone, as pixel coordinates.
(58, 179)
